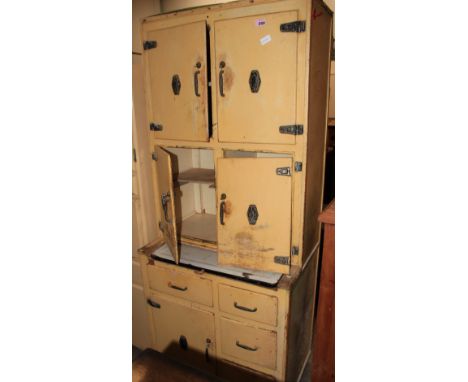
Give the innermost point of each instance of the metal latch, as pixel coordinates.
(298, 166)
(149, 45)
(292, 129)
(284, 260)
(286, 171)
(294, 251)
(155, 127)
(293, 26)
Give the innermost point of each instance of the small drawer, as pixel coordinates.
(249, 344)
(182, 284)
(247, 304)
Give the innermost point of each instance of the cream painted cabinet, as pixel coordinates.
(236, 106)
(176, 78)
(257, 73)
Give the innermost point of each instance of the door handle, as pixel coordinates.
(164, 200)
(252, 310)
(222, 206)
(195, 79)
(222, 65)
(182, 289)
(153, 304)
(246, 347)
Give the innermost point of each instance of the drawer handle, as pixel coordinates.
(246, 347)
(236, 305)
(182, 289)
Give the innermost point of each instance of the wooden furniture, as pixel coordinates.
(323, 355)
(236, 102)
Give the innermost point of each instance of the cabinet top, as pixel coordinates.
(225, 6)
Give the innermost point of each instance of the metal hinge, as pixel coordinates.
(154, 155)
(149, 45)
(294, 251)
(134, 155)
(298, 166)
(155, 127)
(293, 26)
(286, 171)
(284, 260)
(292, 129)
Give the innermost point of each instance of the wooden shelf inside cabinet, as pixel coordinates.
(200, 226)
(197, 175)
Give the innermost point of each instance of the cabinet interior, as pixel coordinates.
(195, 194)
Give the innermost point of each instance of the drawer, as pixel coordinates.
(182, 284)
(247, 304)
(249, 344)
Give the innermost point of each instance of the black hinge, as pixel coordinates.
(154, 155)
(285, 171)
(294, 251)
(155, 127)
(284, 260)
(298, 166)
(292, 129)
(134, 155)
(149, 45)
(293, 26)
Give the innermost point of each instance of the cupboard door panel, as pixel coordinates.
(176, 82)
(183, 333)
(256, 88)
(165, 199)
(254, 219)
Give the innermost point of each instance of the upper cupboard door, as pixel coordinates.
(176, 82)
(254, 219)
(256, 78)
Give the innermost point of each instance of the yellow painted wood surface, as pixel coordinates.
(249, 345)
(165, 186)
(254, 182)
(250, 305)
(173, 320)
(256, 43)
(179, 49)
(180, 284)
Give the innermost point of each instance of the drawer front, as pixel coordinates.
(184, 333)
(181, 284)
(136, 273)
(248, 344)
(250, 305)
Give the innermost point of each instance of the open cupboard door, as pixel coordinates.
(165, 200)
(254, 213)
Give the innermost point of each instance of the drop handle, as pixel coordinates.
(195, 78)
(246, 347)
(222, 65)
(153, 303)
(164, 200)
(182, 289)
(251, 310)
(222, 207)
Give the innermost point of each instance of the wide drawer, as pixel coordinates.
(247, 304)
(182, 284)
(247, 343)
